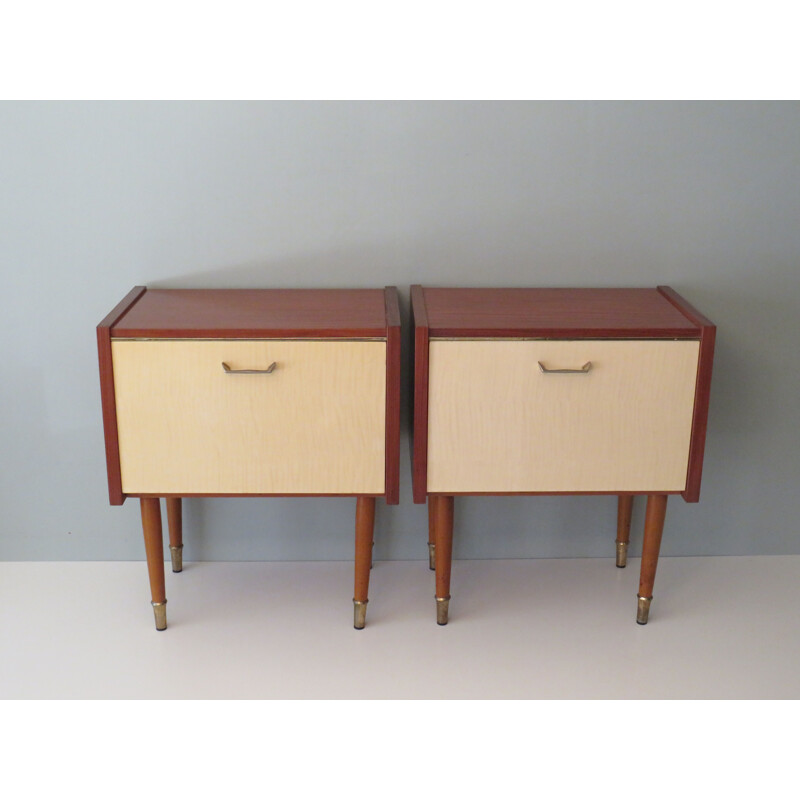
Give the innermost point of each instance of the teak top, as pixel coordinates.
(244, 313)
(623, 313)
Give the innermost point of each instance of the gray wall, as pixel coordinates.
(98, 197)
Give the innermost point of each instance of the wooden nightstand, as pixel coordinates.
(251, 392)
(558, 391)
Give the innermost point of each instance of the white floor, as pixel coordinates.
(719, 628)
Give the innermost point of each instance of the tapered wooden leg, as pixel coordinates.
(431, 535)
(154, 549)
(175, 522)
(653, 528)
(443, 531)
(365, 525)
(624, 510)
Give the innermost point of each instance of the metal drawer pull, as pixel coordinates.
(582, 371)
(266, 371)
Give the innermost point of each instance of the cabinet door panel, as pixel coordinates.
(314, 425)
(497, 423)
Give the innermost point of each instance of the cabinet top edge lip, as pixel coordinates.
(255, 313)
(248, 338)
(637, 312)
(566, 337)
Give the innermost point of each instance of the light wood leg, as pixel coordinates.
(154, 549)
(431, 539)
(653, 528)
(443, 531)
(365, 525)
(175, 523)
(624, 511)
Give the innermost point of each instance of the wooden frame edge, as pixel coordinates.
(419, 395)
(139, 495)
(393, 362)
(697, 442)
(685, 307)
(107, 398)
(602, 493)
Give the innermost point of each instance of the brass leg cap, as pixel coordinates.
(442, 609)
(160, 613)
(432, 556)
(359, 614)
(643, 610)
(622, 554)
(177, 557)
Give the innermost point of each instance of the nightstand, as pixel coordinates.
(250, 393)
(558, 391)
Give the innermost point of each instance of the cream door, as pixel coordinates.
(497, 423)
(315, 424)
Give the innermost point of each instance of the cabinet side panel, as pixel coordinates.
(107, 399)
(393, 361)
(419, 394)
(708, 335)
(115, 495)
(700, 422)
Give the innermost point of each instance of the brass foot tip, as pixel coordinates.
(442, 609)
(177, 557)
(643, 610)
(359, 614)
(432, 556)
(622, 554)
(160, 613)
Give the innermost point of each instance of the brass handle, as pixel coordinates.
(266, 371)
(582, 371)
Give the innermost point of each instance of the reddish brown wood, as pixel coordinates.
(109, 407)
(653, 529)
(107, 399)
(545, 494)
(256, 313)
(432, 519)
(293, 313)
(443, 516)
(419, 465)
(121, 308)
(430, 494)
(239, 494)
(697, 446)
(154, 546)
(365, 525)
(392, 395)
(624, 512)
(555, 313)
(702, 398)
(392, 298)
(558, 313)
(175, 521)
(685, 307)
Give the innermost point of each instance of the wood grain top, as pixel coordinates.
(509, 312)
(254, 313)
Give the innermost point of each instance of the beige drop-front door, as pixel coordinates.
(497, 423)
(314, 425)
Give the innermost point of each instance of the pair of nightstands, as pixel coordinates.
(297, 393)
